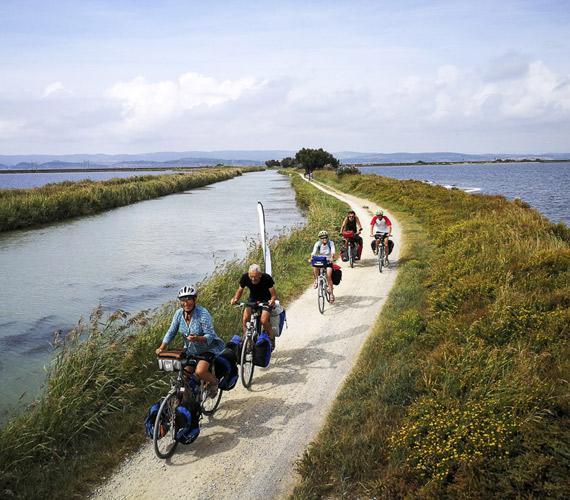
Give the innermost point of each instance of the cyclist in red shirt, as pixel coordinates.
(380, 224)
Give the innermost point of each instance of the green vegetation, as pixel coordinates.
(21, 208)
(104, 377)
(462, 389)
(308, 159)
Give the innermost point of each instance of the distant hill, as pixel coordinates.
(241, 158)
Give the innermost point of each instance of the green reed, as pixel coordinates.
(20, 208)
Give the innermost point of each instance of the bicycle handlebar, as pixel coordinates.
(259, 305)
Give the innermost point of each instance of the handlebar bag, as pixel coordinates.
(348, 234)
(318, 261)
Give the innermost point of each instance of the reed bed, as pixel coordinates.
(104, 375)
(462, 389)
(21, 208)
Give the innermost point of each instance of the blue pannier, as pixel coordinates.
(225, 367)
(151, 418)
(235, 345)
(262, 351)
(187, 423)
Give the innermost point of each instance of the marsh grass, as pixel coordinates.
(20, 208)
(462, 389)
(104, 376)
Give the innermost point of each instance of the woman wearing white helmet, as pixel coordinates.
(195, 324)
(380, 228)
(324, 246)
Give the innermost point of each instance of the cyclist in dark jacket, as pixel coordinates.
(261, 289)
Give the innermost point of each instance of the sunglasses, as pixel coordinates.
(324, 237)
(186, 299)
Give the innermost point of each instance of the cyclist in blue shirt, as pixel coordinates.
(194, 323)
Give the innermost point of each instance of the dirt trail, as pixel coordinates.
(249, 448)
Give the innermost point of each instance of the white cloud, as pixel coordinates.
(147, 105)
(54, 88)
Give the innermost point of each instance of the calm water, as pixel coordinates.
(133, 258)
(545, 186)
(31, 180)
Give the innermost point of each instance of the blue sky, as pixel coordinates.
(386, 76)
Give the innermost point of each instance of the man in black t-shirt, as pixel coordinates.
(261, 289)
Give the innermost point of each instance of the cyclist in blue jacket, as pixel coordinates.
(194, 323)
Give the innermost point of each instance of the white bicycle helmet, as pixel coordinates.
(323, 234)
(187, 291)
(379, 212)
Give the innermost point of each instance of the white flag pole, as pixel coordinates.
(263, 234)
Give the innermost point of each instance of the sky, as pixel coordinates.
(135, 76)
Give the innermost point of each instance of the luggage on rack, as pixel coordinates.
(262, 351)
(336, 274)
(187, 422)
(277, 319)
(226, 370)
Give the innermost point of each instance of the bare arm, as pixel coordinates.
(237, 295)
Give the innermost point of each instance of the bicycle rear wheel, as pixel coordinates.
(208, 404)
(246, 362)
(321, 296)
(164, 435)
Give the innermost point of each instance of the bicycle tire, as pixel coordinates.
(165, 446)
(380, 255)
(321, 296)
(350, 255)
(209, 405)
(246, 362)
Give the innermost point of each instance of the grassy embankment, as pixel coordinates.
(462, 389)
(104, 378)
(20, 208)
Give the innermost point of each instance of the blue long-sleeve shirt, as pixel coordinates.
(200, 324)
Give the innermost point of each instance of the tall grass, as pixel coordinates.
(20, 208)
(104, 376)
(462, 389)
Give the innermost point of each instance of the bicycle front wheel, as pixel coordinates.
(380, 256)
(209, 404)
(350, 255)
(164, 435)
(246, 362)
(321, 296)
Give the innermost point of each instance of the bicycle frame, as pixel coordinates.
(164, 440)
(381, 250)
(322, 289)
(252, 331)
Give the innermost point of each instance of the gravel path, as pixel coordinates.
(249, 448)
